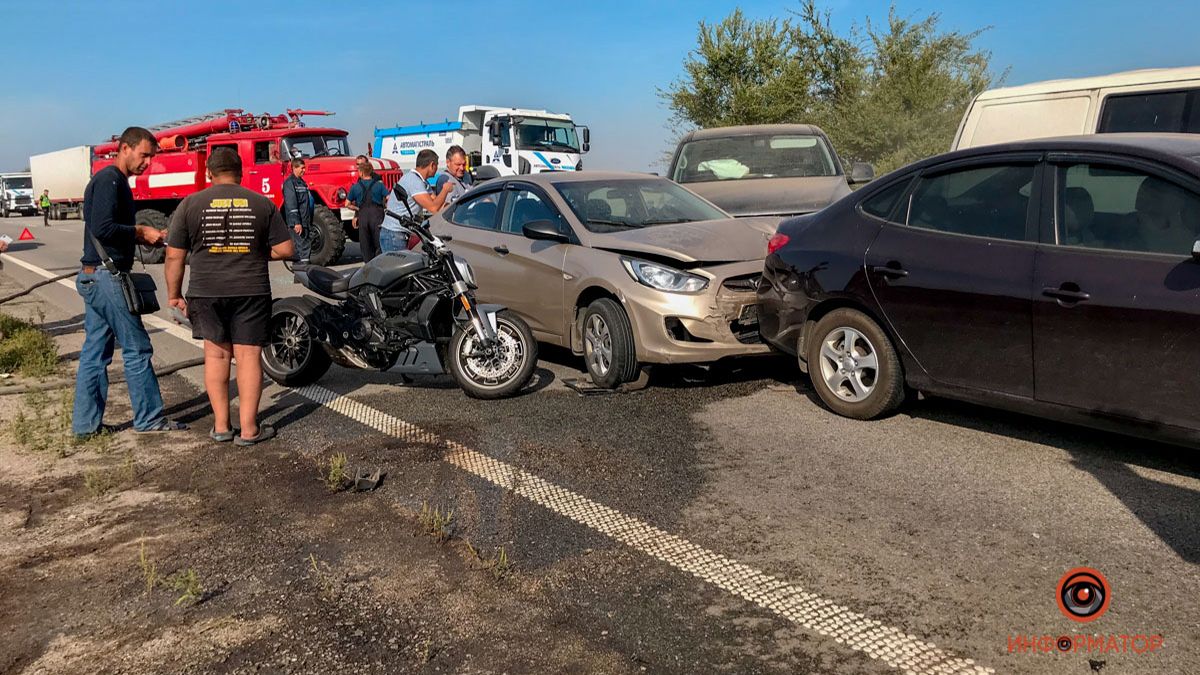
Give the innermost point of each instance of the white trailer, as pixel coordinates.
(16, 195)
(514, 140)
(65, 173)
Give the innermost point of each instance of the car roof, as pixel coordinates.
(547, 177)
(1124, 79)
(754, 130)
(1169, 148)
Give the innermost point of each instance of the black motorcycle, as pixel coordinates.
(412, 312)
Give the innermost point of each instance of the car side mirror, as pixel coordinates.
(485, 172)
(861, 172)
(545, 230)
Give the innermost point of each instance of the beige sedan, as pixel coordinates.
(625, 269)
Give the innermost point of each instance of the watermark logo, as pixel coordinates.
(1083, 594)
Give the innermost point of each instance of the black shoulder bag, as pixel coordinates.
(140, 291)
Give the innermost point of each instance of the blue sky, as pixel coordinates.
(81, 70)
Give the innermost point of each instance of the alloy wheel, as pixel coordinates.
(597, 345)
(849, 364)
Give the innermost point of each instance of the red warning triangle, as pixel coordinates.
(26, 235)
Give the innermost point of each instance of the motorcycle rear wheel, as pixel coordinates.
(498, 375)
(293, 356)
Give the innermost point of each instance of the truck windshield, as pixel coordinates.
(747, 157)
(19, 183)
(614, 205)
(316, 146)
(553, 135)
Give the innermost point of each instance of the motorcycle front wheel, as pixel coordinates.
(293, 357)
(501, 371)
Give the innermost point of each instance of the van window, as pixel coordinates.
(1001, 122)
(1125, 209)
(988, 201)
(1169, 111)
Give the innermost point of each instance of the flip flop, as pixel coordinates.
(222, 436)
(265, 433)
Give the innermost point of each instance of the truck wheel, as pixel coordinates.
(328, 239)
(151, 255)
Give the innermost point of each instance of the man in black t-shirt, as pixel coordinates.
(228, 234)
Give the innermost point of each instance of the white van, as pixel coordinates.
(1161, 99)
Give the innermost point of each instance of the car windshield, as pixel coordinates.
(614, 205)
(748, 157)
(553, 135)
(19, 183)
(316, 146)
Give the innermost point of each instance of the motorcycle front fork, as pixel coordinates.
(483, 327)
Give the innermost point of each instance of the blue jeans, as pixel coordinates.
(392, 240)
(107, 321)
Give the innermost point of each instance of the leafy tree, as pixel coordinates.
(887, 94)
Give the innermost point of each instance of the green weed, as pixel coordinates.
(436, 523)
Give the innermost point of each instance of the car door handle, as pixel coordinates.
(1065, 294)
(501, 249)
(886, 271)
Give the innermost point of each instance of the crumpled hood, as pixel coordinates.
(702, 241)
(773, 196)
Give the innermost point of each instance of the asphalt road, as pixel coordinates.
(946, 524)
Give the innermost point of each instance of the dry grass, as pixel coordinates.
(26, 349)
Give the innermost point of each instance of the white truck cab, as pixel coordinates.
(1158, 100)
(16, 194)
(514, 140)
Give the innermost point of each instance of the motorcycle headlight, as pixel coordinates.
(465, 270)
(664, 278)
(340, 194)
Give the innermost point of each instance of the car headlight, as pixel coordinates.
(465, 270)
(340, 194)
(664, 278)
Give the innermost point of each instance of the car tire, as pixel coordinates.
(864, 381)
(608, 347)
(151, 255)
(327, 237)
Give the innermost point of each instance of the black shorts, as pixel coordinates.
(241, 320)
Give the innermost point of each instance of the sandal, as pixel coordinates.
(265, 433)
(222, 436)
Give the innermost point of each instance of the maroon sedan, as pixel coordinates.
(1058, 277)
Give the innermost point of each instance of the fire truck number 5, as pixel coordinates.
(266, 188)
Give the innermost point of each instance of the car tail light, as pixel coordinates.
(777, 242)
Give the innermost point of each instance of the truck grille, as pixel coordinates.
(24, 200)
(390, 177)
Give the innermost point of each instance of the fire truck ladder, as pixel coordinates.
(206, 117)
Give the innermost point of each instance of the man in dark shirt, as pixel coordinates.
(228, 234)
(108, 214)
(298, 209)
(367, 197)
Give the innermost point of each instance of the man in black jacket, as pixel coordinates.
(108, 214)
(298, 209)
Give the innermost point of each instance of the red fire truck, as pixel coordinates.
(266, 143)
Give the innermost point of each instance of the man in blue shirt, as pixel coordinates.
(367, 198)
(420, 201)
(108, 214)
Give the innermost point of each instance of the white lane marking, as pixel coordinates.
(808, 610)
(152, 319)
